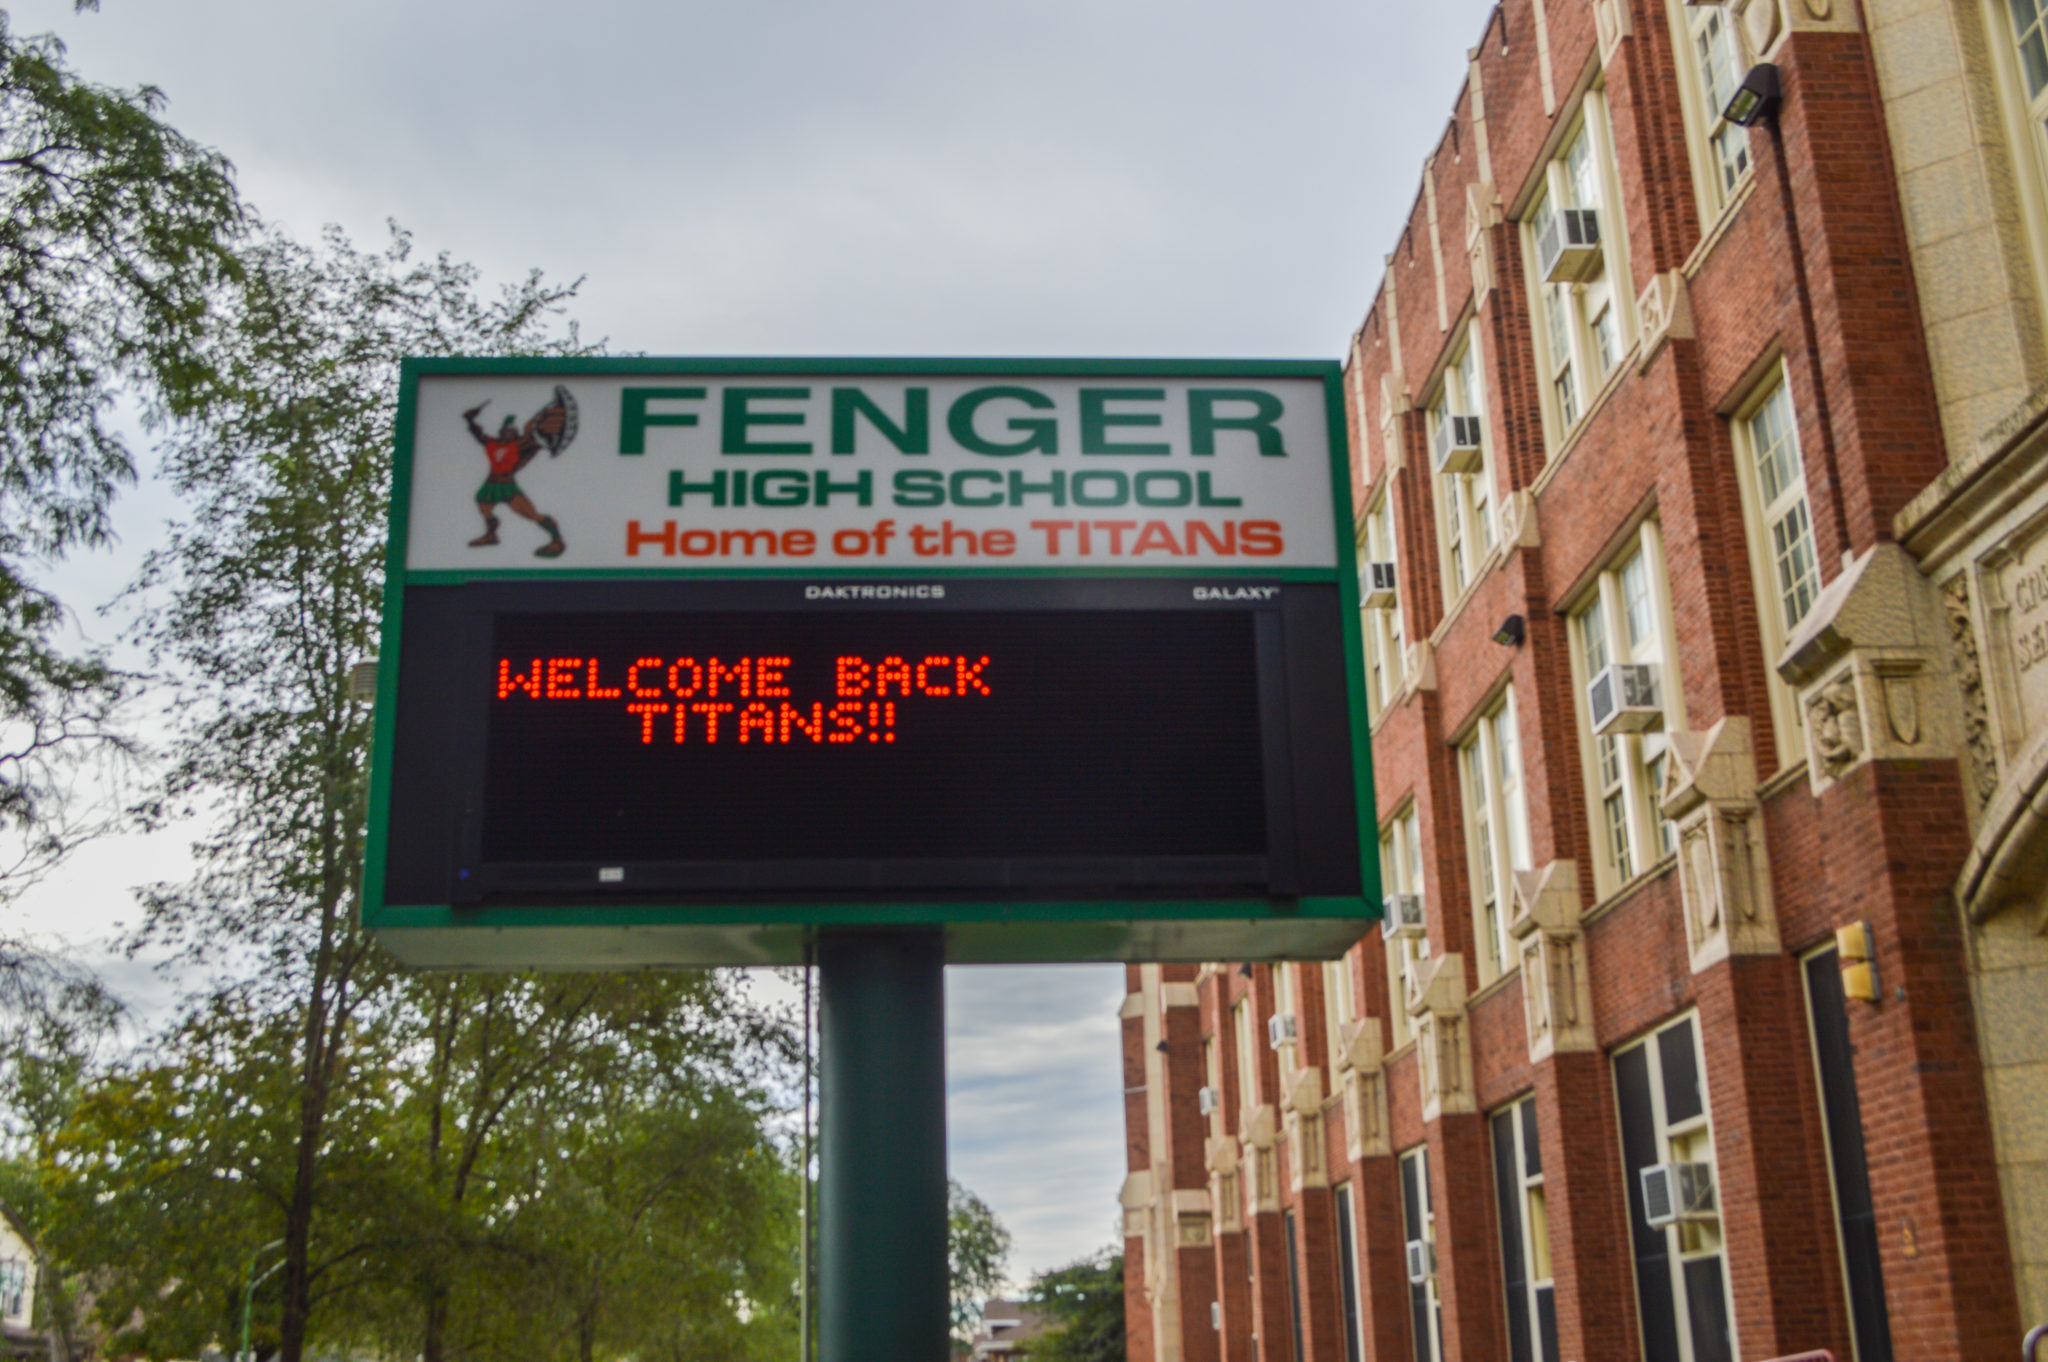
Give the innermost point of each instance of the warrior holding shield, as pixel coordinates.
(510, 450)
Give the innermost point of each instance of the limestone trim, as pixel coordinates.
(1724, 877)
(2004, 870)
(1665, 307)
(1612, 23)
(1437, 1004)
(1557, 995)
(1871, 666)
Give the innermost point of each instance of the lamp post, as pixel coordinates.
(249, 1293)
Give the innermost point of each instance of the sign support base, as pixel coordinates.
(883, 1289)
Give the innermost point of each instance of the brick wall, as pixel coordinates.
(1806, 268)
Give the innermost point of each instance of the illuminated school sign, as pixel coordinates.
(684, 658)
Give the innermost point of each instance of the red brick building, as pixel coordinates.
(1667, 734)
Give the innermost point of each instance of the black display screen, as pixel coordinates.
(715, 737)
(691, 742)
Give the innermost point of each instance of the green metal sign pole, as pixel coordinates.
(882, 1290)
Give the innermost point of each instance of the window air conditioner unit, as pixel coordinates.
(1457, 444)
(1677, 1193)
(1207, 1101)
(1403, 917)
(1376, 586)
(1623, 699)
(1568, 248)
(1280, 1029)
(1421, 1261)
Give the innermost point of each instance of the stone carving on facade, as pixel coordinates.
(1259, 1129)
(1393, 406)
(1363, 1057)
(1611, 22)
(1976, 707)
(1443, 1053)
(1724, 874)
(1220, 1157)
(1834, 725)
(1518, 526)
(1303, 1126)
(1557, 997)
(1665, 308)
(1135, 1196)
(1191, 1217)
(1760, 22)
(1872, 666)
(1482, 215)
(1418, 666)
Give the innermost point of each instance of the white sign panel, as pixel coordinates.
(686, 471)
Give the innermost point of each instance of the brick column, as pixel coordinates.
(1591, 1269)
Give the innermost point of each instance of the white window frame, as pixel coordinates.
(1690, 1141)
(1535, 1247)
(1581, 331)
(1466, 504)
(1784, 557)
(1340, 1008)
(1244, 1021)
(1712, 60)
(1430, 1349)
(2026, 120)
(1492, 778)
(1401, 872)
(1287, 1002)
(1384, 631)
(1625, 616)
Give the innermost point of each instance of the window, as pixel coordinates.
(1783, 557)
(1524, 1234)
(1625, 620)
(1338, 1008)
(1247, 1057)
(1419, 1229)
(13, 1288)
(1681, 1270)
(1583, 328)
(1382, 627)
(1285, 1004)
(1848, 1161)
(1464, 500)
(1401, 873)
(1496, 829)
(1347, 1271)
(1711, 66)
(2019, 41)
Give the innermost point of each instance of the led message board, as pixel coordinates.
(680, 699)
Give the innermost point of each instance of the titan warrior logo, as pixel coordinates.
(552, 428)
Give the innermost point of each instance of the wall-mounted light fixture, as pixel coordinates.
(1858, 953)
(1163, 1048)
(1755, 99)
(1512, 632)
(1245, 970)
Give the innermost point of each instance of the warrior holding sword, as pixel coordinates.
(510, 450)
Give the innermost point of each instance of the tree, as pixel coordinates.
(1085, 1302)
(116, 234)
(513, 1167)
(977, 1256)
(261, 603)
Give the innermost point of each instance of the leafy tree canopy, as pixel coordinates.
(1085, 1301)
(977, 1255)
(116, 233)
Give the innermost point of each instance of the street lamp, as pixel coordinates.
(249, 1294)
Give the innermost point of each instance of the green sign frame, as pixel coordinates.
(601, 935)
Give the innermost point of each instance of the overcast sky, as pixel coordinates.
(787, 177)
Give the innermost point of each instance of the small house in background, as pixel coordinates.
(18, 1337)
(1007, 1329)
